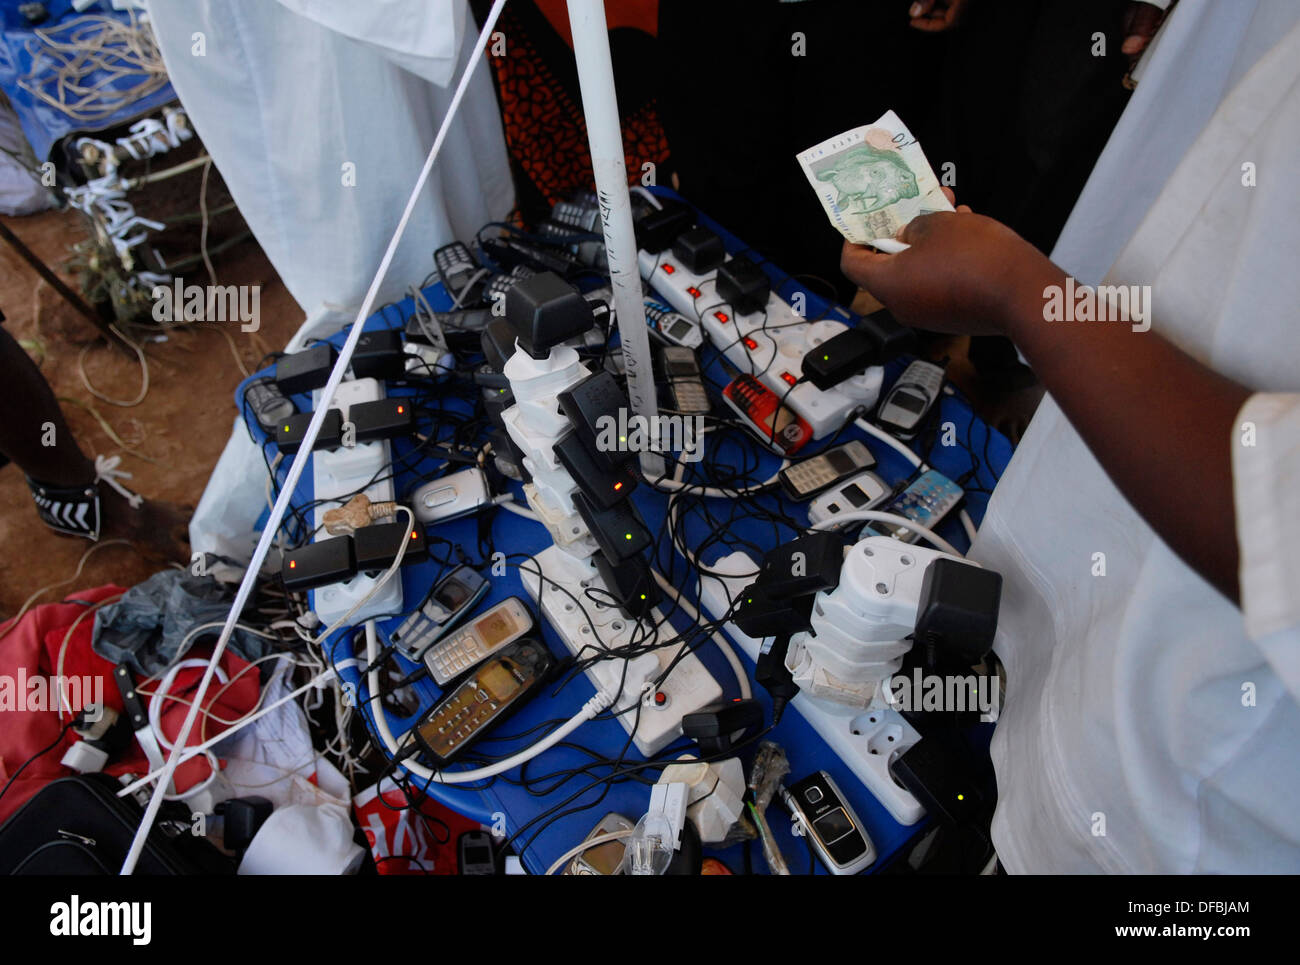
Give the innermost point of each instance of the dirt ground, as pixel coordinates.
(175, 435)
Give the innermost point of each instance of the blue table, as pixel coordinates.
(44, 124)
(507, 805)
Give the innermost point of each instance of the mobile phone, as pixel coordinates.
(494, 628)
(456, 267)
(451, 496)
(603, 859)
(269, 405)
(684, 381)
(450, 599)
(809, 477)
(926, 501)
(864, 491)
(476, 853)
(493, 692)
(673, 327)
(822, 813)
(910, 398)
(778, 426)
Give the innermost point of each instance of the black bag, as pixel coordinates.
(79, 826)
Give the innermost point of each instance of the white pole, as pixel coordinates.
(600, 108)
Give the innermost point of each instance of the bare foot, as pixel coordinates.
(159, 530)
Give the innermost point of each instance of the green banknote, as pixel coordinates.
(872, 180)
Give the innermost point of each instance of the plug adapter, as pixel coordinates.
(718, 726)
(320, 563)
(603, 484)
(546, 310)
(306, 370)
(379, 355)
(631, 583)
(588, 405)
(382, 419)
(958, 612)
(743, 284)
(803, 566)
(289, 433)
(700, 250)
(656, 228)
(374, 547)
(619, 531)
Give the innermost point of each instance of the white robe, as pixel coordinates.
(319, 115)
(1150, 725)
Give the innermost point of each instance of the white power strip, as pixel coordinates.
(341, 473)
(864, 739)
(768, 344)
(686, 689)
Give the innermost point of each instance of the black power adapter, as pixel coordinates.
(379, 355)
(761, 615)
(305, 370)
(318, 564)
(546, 310)
(619, 531)
(743, 284)
(382, 419)
(603, 485)
(593, 406)
(803, 566)
(656, 228)
(939, 780)
(876, 339)
(374, 547)
(289, 433)
(631, 583)
(958, 613)
(718, 726)
(700, 250)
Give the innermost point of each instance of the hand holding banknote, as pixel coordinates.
(872, 181)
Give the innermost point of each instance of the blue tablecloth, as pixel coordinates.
(505, 802)
(43, 123)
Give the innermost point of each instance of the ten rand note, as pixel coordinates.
(872, 180)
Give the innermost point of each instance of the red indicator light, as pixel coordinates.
(750, 344)
(401, 409)
(722, 317)
(414, 535)
(789, 379)
(617, 486)
(668, 269)
(293, 564)
(661, 698)
(693, 292)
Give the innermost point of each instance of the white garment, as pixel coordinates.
(1150, 725)
(319, 115)
(288, 93)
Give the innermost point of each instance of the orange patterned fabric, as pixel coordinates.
(544, 128)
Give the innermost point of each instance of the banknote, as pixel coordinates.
(872, 180)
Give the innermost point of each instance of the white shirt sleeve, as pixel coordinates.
(1266, 485)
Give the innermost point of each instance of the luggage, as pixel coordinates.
(79, 826)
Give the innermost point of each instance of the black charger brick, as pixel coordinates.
(306, 370)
